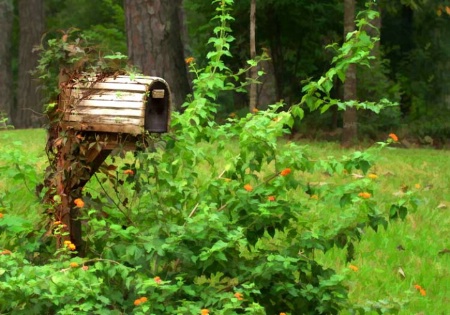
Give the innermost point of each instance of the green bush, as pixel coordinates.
(209, 219)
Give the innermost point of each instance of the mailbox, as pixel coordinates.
(118, 104)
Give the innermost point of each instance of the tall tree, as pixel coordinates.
(155, 42)
(253, 87)
(31, 24)
(350, 118)
(6, 77)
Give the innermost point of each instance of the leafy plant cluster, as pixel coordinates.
(210, 219)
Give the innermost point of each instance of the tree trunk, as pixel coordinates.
(6, 77)
(350, 118)
(253, 71)
(154, 37)
(28, 112)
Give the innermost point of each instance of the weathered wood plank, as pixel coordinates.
(107, 95)
(105, 120)
(95, 111)
(110, 104)
(129, 79)
(113, 86)
(129, 129)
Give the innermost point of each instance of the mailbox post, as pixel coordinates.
(114, 111)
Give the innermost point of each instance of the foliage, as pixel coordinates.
(72, 56)
(194, 225)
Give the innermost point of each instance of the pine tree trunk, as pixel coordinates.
(28, 112)
(350, 118)
(154, 36)
(253, 71)
(6, 77)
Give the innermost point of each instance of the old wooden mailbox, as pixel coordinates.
(117, 104)
(98, 115)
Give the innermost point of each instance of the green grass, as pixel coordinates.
(413, 245)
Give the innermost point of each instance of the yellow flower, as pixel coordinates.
(248, 187)
(394, 137)
(365, 195)
(315, 197)
(372, 176)
(285, 172)
(73, 265)
(417, 186)
(238, 296)
(189, 60)
(71, 246)
(354, 268)
(79, 202)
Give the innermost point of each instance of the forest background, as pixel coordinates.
(411, 68)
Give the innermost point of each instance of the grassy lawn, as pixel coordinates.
(390, 263)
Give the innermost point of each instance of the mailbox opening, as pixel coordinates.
(157, 108)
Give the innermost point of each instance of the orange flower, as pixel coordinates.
(128, 172)
(1, 215)
(394, 137)
(204, 311)
(189, 60)
(285, 172)
(282, 313)
(6, 252)
(423, 292)
(248, 187)
(447, 9)
(143, 299)
(232, 115)
(137, 302)
(417, 287)
(354, 268)
(372, 176)
(79, 202)
(57, 222)
(255, 110)
(365, 195)
(238, 296)
(72, 246)
(157, 279)
(73, 265)
(85, 268)
(271, 198)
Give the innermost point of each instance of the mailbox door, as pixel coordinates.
(157, 109)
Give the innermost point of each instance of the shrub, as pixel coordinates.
(209, 219)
